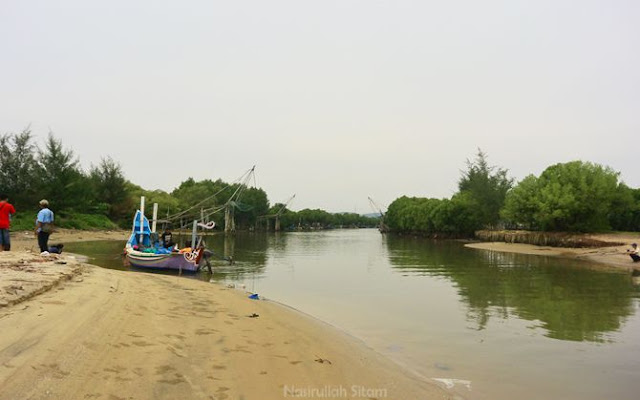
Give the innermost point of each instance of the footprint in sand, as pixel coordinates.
(205, 331)
(241, 349)
(91, 345)
(181, 337)
(173, 381)
(164, 369)
(142, 343)
(54, 370)
(175, 352)
(220, 393)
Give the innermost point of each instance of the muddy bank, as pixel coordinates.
(554, 239)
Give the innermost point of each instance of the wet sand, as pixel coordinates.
(27, 240)
(75, 331)
(614, 256)
(105, 334)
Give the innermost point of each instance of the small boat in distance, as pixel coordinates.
(144, 251)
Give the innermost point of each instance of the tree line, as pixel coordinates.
(309, 219)
(103, 198)
(576, 196)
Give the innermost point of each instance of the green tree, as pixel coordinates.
(17, 168)
(60, 179)
(486, 187)
(521, 203)
(252, 203)
(110, 189)
(625, 209)
(575, 196)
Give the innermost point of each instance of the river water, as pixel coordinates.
(494, 325)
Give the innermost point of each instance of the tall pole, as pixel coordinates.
(227, 218)
(141, 231)
(155, 217)
(194, 232)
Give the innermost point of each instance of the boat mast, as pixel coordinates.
(141, 231)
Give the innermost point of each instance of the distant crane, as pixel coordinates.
(276, 216)
(382, 227)
(280, 211)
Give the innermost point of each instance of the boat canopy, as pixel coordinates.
(135, 233)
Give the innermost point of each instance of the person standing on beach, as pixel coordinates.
(44, 226)
(6, 211)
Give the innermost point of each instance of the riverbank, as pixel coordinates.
(106, 334)
(614, 255)
(27, 240)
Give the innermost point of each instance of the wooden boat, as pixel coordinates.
(177, 261)
(143, 251)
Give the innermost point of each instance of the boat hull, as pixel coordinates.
(174, 261)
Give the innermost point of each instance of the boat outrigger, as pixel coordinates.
(143, 250)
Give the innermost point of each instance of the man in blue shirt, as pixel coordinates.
(44, 225)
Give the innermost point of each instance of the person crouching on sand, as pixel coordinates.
(44, 226)
(633, 252)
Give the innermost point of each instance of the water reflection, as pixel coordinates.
(566, 300)
(569, 301)
(250, 256)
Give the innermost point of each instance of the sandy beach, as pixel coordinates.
(614, 256)
(27, 241)
(76, 331)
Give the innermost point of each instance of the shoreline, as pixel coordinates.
(321, 359)
(614, 256)
(27, 240)
(106, 334)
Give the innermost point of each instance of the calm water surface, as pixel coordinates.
(514, 326)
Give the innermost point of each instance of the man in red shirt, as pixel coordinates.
(6, 211)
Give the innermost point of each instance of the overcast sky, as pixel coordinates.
(332, 100)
